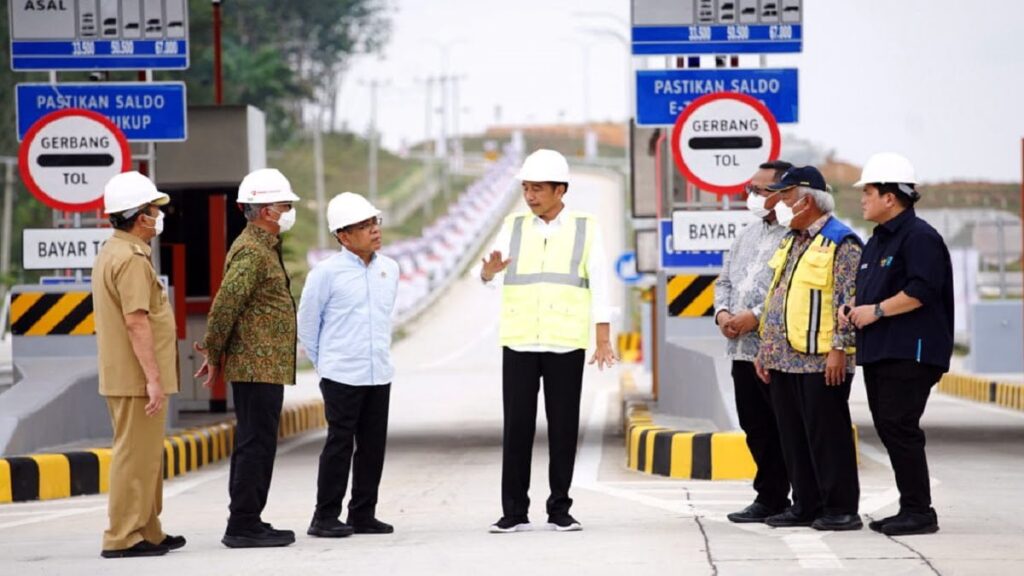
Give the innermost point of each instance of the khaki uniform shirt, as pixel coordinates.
(252, 322)
(124, 281)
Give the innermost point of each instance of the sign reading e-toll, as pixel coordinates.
(67, 157)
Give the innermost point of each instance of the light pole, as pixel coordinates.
(374, 85)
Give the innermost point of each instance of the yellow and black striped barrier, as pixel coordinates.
(659, 450)
(629, 347)
(691, 295)
(979, 389)
(50, 476)
(52, 314)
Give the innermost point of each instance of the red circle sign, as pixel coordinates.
(68, 155)
(720, 139)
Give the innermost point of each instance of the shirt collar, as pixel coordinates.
(894, 224)
(133, 239)
(817, 225)
(556, 220)
(353, 258)
(264, 237)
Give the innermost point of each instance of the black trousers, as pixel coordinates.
(357, 417)
(563, 385)
(817, 442)
(757, 419)
(897, 393)
(258, 411)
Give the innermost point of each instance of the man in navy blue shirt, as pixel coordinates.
(904, 320)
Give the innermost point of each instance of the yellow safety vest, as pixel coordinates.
(546, 294)
(809, 310)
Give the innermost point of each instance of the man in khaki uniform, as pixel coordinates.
(135, 335)
(251, 337)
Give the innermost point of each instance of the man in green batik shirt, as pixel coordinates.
(251, 336)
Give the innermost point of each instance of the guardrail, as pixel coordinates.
(463, 263)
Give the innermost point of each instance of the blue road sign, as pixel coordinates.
(625, 268)
(145, 112)
(687, 258)
(717, 39)
(110, 35)
(661, 95)
(99, 55)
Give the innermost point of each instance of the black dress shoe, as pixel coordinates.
(838, 522)
(908, 523)
(876, 525)
(787, 519)
(329, 528)
(371, 526)
(173, 542)
(756, 512)
(142, 548)
(255, 537)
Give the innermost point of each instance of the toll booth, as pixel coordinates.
(202, 175)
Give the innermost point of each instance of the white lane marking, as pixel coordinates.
(460, 352)
(812, 551)
(174, 488)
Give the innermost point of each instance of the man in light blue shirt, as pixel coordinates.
(345, 327)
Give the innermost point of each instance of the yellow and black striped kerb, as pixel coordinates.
(691, 295)
(629, 346)
(47, 314)
(1005, 394)
(659, 450)
(48, 476)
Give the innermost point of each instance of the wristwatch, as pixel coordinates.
(879, 313)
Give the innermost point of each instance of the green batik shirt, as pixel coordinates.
(252, 320)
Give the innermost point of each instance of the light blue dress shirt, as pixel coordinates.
(345, 318)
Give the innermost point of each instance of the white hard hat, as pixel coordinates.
(887, 168)
(265, 186)
(348, 208)
(544, 166)
(129, 190)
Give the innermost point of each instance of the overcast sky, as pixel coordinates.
(933, 79)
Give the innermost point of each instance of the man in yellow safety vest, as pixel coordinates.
(554, 288)
(807, 358)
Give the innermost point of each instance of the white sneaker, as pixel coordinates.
(564, 523)
(508, 524)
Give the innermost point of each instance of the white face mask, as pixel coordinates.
(784, 214)
(755, 203)
(286, 220)
(158, 222)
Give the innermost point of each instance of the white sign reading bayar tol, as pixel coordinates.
(53, 249)
(720, 139)
(67, 157)
(707, 230)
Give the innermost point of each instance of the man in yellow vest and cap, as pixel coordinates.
(554, 288)
(807, 358)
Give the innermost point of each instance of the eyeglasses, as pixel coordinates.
(751, 189)
(364, 225)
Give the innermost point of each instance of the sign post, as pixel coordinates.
(720, 140)
(67, 157)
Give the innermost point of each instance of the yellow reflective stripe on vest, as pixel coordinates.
(573, 278)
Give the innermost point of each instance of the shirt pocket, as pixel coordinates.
(815, 269)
